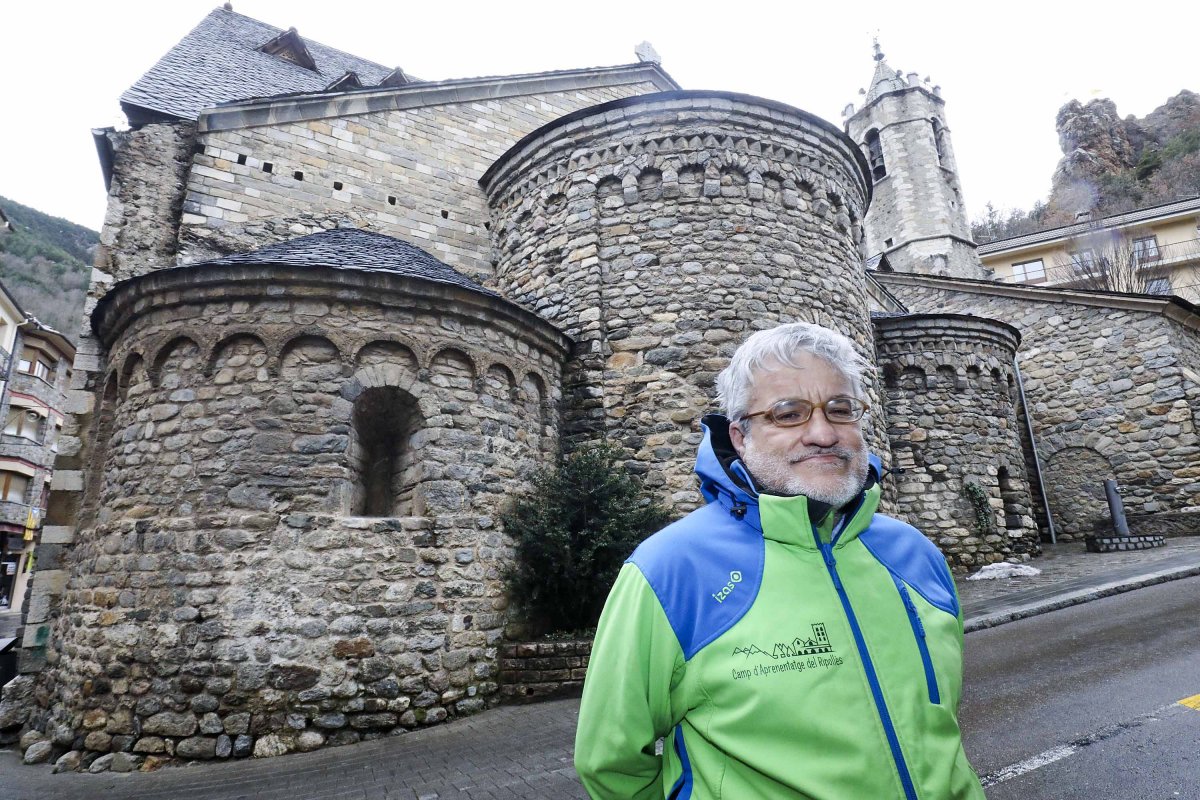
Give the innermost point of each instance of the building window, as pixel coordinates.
(939, 142)
(36, 364)
(1158, 286)
(385, 419)
(1029, 271)
(13, 487)
(875, 155)
(1145, 249)
(25, 423)
(1083, 262)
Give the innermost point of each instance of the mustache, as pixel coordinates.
(843, 453)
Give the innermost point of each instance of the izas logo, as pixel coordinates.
(735, 578)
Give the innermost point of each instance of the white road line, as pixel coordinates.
(1029, 765)
(1067, 750)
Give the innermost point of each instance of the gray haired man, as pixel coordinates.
(784, 640)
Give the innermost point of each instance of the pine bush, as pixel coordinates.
(572, 532)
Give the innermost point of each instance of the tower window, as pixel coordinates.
(386, 469)
(875, 155)
(939, 142)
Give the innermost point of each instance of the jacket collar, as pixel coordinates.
(724, 479)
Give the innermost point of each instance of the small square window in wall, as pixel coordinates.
(242, 159)
(1029, 272)
(298, 175)
(337, 186)
(391, 199)
(268, 167)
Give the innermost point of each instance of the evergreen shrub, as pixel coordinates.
(572, 532)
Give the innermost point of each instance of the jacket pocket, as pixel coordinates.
(918, 629)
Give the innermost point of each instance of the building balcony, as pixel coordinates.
(34, 386)
(27, 450)
(15, 515)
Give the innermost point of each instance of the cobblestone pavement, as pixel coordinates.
(517, 752)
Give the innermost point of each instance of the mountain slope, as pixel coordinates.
(45, 262)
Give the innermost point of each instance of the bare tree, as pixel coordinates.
(1115, 261)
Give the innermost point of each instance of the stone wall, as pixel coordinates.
(661, 231)
(426, 158)
(1107, 389)
(952, 423)
(541, 670)
(413, 174)
(223, 598)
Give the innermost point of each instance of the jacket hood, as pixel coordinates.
(725, 479)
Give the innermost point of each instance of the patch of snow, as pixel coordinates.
(993, 571)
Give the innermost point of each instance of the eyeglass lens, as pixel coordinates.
(797, 412)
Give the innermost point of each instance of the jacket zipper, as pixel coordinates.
(910, 792)
(918, 629)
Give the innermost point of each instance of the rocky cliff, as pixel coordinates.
(1111, 164)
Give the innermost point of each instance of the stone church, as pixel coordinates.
(339, 314)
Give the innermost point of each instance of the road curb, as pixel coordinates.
(1077, 597)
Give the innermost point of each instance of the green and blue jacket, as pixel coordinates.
(779, 651)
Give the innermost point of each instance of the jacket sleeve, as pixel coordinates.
(636, 661)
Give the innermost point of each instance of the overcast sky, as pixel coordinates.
(1004, 68)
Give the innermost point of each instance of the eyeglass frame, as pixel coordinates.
(770, 412)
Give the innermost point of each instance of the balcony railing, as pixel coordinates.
(1133, 266)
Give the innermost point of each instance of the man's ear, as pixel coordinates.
(737, 437)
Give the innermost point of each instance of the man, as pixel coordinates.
(785, 641)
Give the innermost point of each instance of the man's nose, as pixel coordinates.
(818, 431)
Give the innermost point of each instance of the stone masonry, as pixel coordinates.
(659, 232)
(917, 217)
(1113, 387)
(226, 597)
(952, 422)
(411, 173)
(292, 430)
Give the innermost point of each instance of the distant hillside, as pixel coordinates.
(45, 263)
(1111, 165)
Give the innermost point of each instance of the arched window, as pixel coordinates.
(939, 140)
(386, 472)
(875, 155)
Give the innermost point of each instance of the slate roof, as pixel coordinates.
(219, 61)
(1105, 223)
(353, 249)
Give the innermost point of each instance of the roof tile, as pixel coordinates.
(353, 249)
(220, 61)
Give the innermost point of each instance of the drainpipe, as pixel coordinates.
(1037, 464)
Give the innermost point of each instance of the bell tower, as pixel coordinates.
(916, 221)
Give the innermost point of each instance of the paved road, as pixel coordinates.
(1092, 686)
(1095, 687)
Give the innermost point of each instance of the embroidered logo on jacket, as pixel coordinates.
(795, 656)
(819, 643)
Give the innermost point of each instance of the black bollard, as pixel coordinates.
(1116, 508)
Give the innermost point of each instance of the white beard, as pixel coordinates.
(776, 476)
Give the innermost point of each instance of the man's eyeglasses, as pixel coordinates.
(840, 410)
